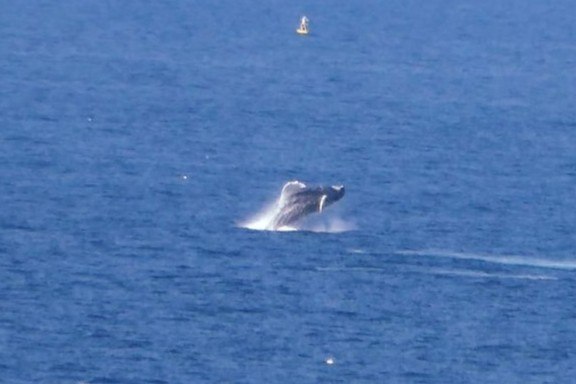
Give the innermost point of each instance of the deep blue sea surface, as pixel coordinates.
(136, 138)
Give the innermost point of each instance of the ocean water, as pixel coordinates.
(137, 137)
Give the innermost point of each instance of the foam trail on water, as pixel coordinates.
(480, 274)
(500, 259)
(445, 272)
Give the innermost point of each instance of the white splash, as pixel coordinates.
(328, 224)
(262, 220)
(325, 223)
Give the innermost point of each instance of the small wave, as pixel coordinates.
(356, 250)
(524, 261)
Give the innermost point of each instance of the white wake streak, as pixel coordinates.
(440, 271)
(503, 259)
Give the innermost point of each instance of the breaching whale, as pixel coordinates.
(298, 200)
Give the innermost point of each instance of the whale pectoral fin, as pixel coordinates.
(322, 202)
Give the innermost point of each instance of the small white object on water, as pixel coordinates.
(185, 177)
(330, 361)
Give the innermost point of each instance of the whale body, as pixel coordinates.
(297, 200)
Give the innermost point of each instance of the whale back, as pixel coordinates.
(298, 200)
(290, 189)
